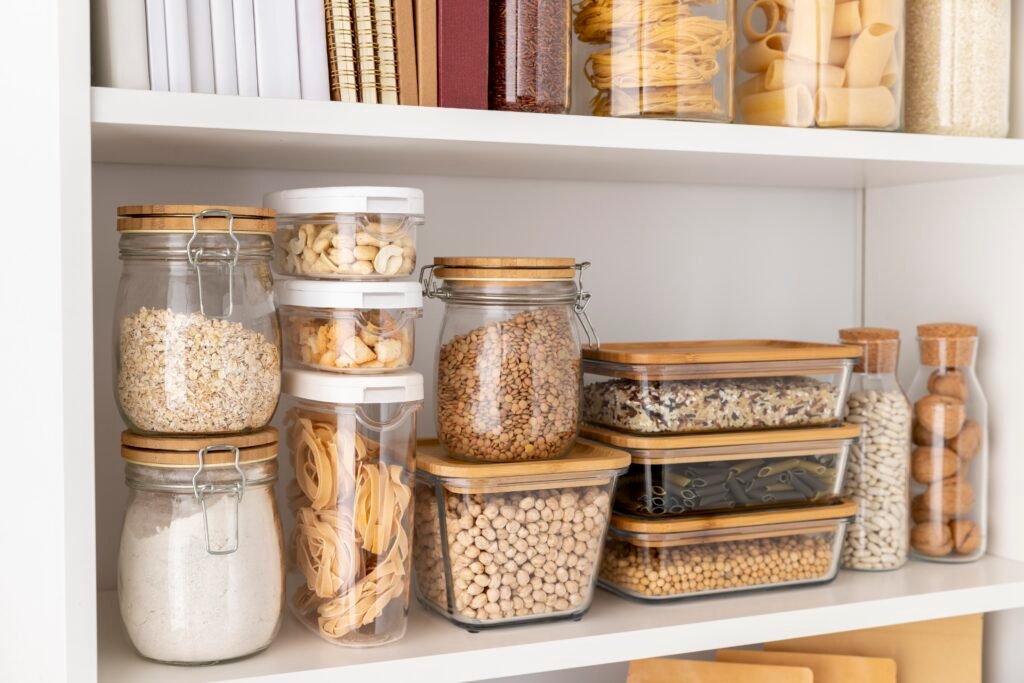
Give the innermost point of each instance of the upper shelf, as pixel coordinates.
(138, 126)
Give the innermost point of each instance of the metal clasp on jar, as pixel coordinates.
(214, 256)
(235, 489)
(580, 306)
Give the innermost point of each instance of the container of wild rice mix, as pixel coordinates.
(652, 388)
(508, 373)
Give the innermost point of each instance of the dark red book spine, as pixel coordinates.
(462, 38)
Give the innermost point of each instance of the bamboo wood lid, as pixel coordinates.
(843, 509)
(717, 351)
(584, 458)
(881, 347)
(504, 268)
(178, 218)
(949, 345)
(751, 438)
(174, 451)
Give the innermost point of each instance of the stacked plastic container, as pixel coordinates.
(738, 454)
(348, 312)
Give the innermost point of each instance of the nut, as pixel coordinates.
(932, 538)
(371, 340)
(923, 437)
(920, 511)
(952, 497)
(967, 443)
(948, 383)
(941, 415)
(382, 248)
(388, 260)
(966, 536)
(929, 464)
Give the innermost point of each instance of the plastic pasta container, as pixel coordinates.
(715, 386)
(703, 555)
(823, 63)
(349, 327)
(347, 233)
(511, 543)
(673, 476)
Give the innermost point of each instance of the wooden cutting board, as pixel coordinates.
(694, 671)
(826, 668)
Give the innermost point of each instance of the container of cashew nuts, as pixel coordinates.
(347, 233)
(949, 460)
(348, 327)
(510, 543)
(655, 560)
(351, 443)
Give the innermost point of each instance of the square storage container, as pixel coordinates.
(671, 476)
(349, 327)
(511, 543)
(702, 555)
(715, 386)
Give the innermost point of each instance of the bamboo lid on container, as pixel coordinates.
(718, 351)
(881, 347)
(504, 268)
(838, 511)
(175, 451)
(947, 345)
(178, 218)
(584, 458)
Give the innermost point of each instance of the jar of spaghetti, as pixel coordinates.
(530, 55)
(824, 63)
(669, 59)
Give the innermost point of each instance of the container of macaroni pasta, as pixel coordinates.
(823, 63)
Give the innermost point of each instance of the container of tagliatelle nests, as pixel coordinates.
(949, 462)
(351, 445)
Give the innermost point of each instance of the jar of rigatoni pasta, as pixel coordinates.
(824, 63)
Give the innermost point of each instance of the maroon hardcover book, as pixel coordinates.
(462, 37)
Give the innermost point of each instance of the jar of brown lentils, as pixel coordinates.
(508, 370)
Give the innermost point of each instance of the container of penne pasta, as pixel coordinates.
(675, 476)
(824, 63)
(654, 560)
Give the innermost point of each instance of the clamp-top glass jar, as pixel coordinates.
(197, 342)
(508, 370)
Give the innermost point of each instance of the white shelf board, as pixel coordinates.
(613, 630)
(137, 126)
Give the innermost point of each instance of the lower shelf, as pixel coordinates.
(614, 630)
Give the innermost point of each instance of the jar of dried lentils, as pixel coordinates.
(508, 372)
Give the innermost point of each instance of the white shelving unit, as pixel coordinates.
(696, 230)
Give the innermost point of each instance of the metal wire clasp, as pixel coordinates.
(431, 289)
(236, 489)
(195, 255)
(580, 306)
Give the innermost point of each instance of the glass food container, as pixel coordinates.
(673, 476)
(510, 543)
(652, 58)
(878, 478)
(347, 233)
(821, 63)
(201, 564)
(654, 560)
(652, 388)
(349, 327)
(958, 67)
(352, 447)
(197, 343)
(530, 51)
(949, 464)
(508, 370)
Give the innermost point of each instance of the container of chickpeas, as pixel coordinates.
(348, 327)
(654, 560)
(498, 544)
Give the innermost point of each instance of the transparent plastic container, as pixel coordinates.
(878, 478)
(511, 543)
(196, 338)
(821, 63)
(349, 327)
(508, 362)
(530, 52)
(654, 560)
(675, 476)
(949, 465)
(651, 58)
(201, 575)
(347, 233)
(352, 446)
(651, 388)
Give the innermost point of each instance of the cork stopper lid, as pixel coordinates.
(881, 347)
(947, 345)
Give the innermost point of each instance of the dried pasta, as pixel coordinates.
(846, 21)
(869, 55)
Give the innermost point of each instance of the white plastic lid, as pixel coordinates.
(390, 200)
(327, 387)
(348, 295)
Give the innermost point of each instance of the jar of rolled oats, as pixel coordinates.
(197, 342)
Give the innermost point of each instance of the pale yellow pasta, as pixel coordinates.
(839, 51)
(847, 19)
(783, 73)
(886, 12)
(891, 74)
(771, 13)
(811, 29)
(793, 106)
(751, 86)
(856, 108)
(869, 55)
(756, 57)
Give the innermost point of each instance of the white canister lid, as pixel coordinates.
(307, 200)
(326, 387)
(348, 295)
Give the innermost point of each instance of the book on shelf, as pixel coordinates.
(312, 25)
(156, 45)
(405, 46)
(245, 47)
(366, 53)
(120, 55)
(341, 51)
(225, 71)
(387, 52)
(462, 53)
(200, 46)
(426, 51)
(277, 49)
(179, 67)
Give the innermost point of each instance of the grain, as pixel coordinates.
(510, 390)
(186, 373)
